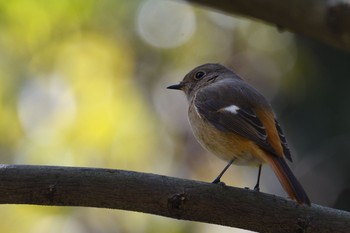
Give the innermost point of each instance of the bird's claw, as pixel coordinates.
(218, 182)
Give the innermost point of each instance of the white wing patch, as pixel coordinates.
(232, 109)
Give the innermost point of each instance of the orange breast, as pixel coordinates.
(225, 145)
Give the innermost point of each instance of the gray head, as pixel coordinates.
(202, 76)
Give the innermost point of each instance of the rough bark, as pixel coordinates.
(166, 196)
(324, 20)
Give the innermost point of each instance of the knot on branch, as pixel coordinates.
(177, 201)
(50, 193)
(303, 224)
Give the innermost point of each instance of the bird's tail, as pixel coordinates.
(288, 181)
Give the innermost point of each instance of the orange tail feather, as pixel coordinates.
(288, 181)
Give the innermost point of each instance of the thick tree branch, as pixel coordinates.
(166, 196)
(325, 20)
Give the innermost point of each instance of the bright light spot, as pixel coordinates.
(223, 20)
(165, 24)
(45, 106)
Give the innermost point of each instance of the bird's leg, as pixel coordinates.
(257, 188)
(217, 179)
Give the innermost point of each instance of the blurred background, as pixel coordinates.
(83, 83)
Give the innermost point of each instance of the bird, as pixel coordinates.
(235, 122)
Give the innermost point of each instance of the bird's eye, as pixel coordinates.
(199, 75)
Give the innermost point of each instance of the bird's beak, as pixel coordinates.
(176, 86)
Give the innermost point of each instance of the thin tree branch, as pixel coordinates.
(325, 20)
(166, 196)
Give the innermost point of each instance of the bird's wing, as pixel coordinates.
(231, 115)
(283, 140)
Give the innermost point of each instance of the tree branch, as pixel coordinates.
(166, 196)
(325, 20)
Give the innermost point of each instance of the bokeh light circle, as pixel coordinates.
(165, 24)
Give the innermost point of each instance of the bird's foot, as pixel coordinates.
(217, 181)
(257, 188)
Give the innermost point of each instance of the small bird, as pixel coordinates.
(232, 120)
